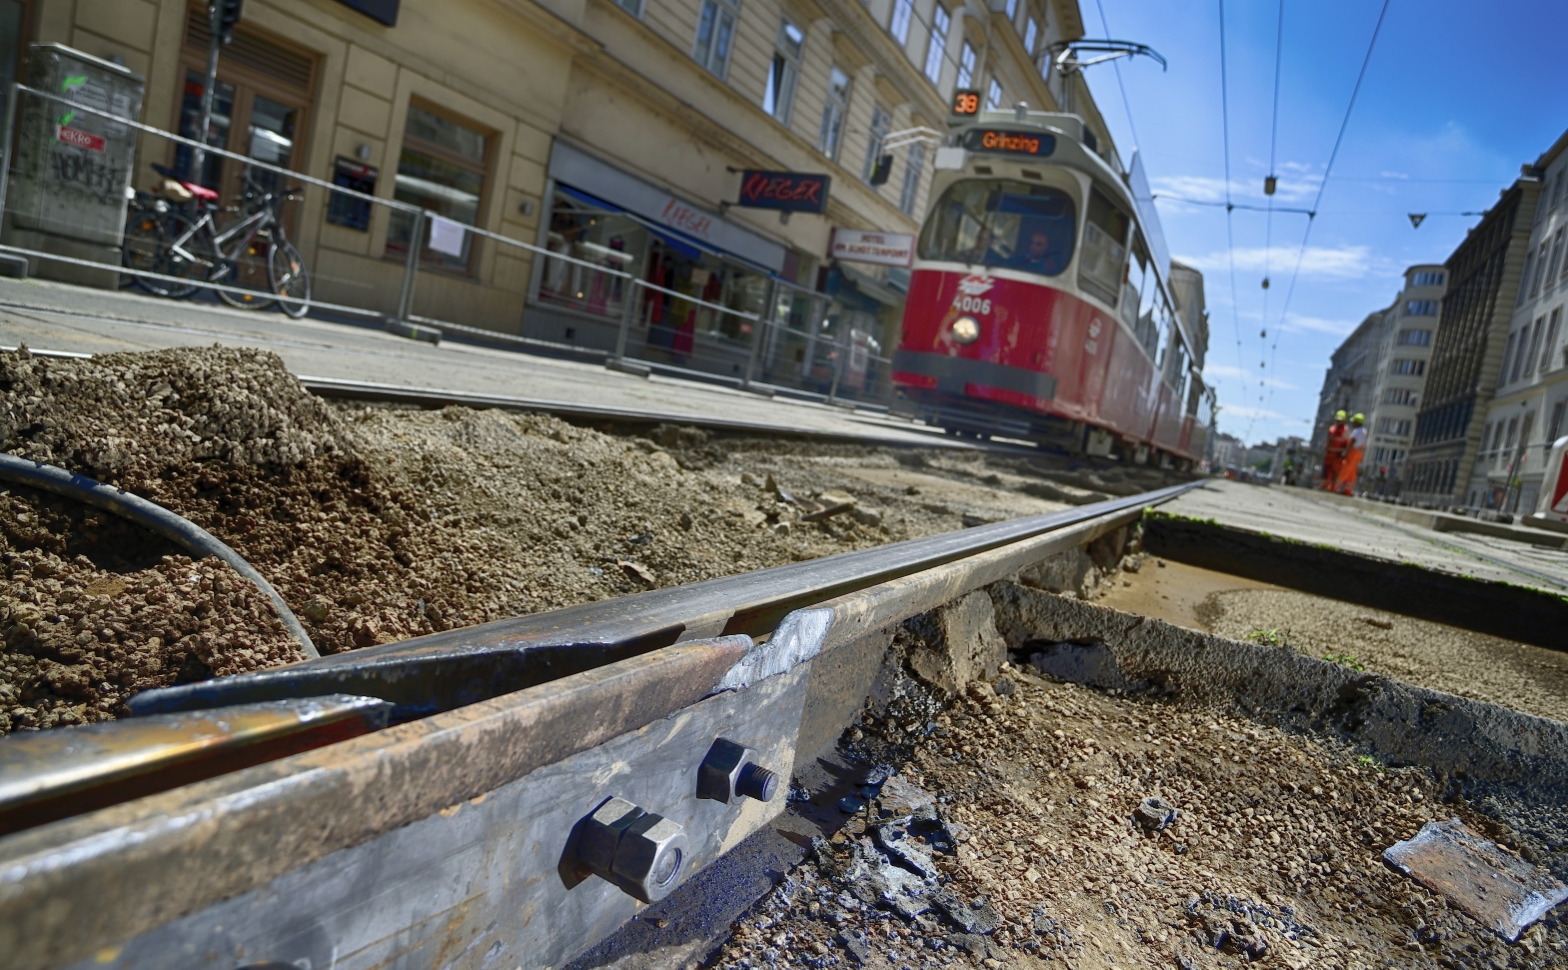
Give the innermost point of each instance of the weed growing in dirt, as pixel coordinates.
(1269, 638)
(1367, 761)
(1345, 660)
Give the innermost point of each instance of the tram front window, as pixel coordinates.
(1011, 225)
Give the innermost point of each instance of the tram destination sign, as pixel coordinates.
(785, 191)
(1001, 141)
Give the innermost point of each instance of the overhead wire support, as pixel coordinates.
(1126, 104)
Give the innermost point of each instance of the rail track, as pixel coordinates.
(517, 790)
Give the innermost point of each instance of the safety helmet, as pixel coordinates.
(1359, 419)
(1339, 415)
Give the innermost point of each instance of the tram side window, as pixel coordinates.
(1104, 248)
(1010, 225)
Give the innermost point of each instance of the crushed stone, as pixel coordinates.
(1273, 854)
(381, 523)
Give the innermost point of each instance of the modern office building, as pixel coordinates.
(1484, 273)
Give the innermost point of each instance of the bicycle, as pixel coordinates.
(261, 260)
(152, 224)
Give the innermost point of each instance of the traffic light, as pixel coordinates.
(227, 15)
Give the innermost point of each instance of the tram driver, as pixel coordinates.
(1039, 257)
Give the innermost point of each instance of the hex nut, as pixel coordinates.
(601, 831)
(730, 771)
(650, 857)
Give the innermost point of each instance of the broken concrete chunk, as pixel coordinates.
(977, 916)
(1154, 814)
(968, 647)
(637, 572)
(1495, 887)
(899, 799)
(896, 839)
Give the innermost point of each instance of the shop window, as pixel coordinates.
(833, 111)
(913, 165)
(599, 242)
(441, 169)
(715, 33)
(779, 98)
(936, 47)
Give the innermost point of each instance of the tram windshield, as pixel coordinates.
(1011, 225)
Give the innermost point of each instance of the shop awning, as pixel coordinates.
(871, 287)
(689, 246)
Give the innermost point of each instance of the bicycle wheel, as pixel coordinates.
(148, 237)
(289, 278)
(247, 270)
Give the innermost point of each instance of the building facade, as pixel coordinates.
(611, 133)
(1409, 327)
(1525, 415)
(1351, 380)
(1467, 351)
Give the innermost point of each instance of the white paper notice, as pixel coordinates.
(446, 236)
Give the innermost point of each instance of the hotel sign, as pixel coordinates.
(881, 248)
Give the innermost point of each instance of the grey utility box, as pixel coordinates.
(71, 169)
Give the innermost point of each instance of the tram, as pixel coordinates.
(1040, 303)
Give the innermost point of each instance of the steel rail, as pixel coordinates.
(458, 822)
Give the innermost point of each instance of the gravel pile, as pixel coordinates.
(1076, 828)
(378, 524)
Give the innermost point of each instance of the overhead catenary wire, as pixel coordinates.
(1230, 235)
(1126, 104)
(1327, 171)
(1268, 228)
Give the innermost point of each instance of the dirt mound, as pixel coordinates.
(374, 524)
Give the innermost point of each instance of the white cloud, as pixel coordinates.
(1242, 411)
(1297, 182)
(1394, 175)
(1250, 377)
(1317, 262)
(1339, 328)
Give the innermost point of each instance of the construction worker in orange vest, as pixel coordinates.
(1334, 454)
(1356, 448)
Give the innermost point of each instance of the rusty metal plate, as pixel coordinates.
(1499, 889)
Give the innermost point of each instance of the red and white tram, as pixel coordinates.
(1040, 304)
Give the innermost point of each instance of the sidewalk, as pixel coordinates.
(59, 317)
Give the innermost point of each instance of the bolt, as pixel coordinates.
(731, 771)
(640, 852)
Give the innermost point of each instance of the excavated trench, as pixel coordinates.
(1009, 739)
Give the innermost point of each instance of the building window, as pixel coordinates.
(1421, 308)
(1535, 347)
(1012, 9)
(779, 98)
(833, 111)
(441, 170)
(966, 66)
(1393, 426)
(1400, 395)
(715, 32)
(936, 48)
(993, 94)
(899, 27)
(1427, 279)
(1031, 34)
(1540, 268)
(1508, 353)
(1524, 278)
(1557, 188)
(633, 7)
(1551, 340)
(912, 171)
(1416, 338)
(881, 121)
(1557, 255)
(1521, 354)
(1411, 368)
(1556, 429)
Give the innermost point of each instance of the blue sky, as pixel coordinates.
(1456, 98)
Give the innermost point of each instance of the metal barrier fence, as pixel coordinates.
(788, 341)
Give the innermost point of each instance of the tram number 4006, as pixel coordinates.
(973, 304)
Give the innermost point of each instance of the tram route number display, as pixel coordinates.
(966, 102)
(998, 141)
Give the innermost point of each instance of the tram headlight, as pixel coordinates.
(966, 330)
